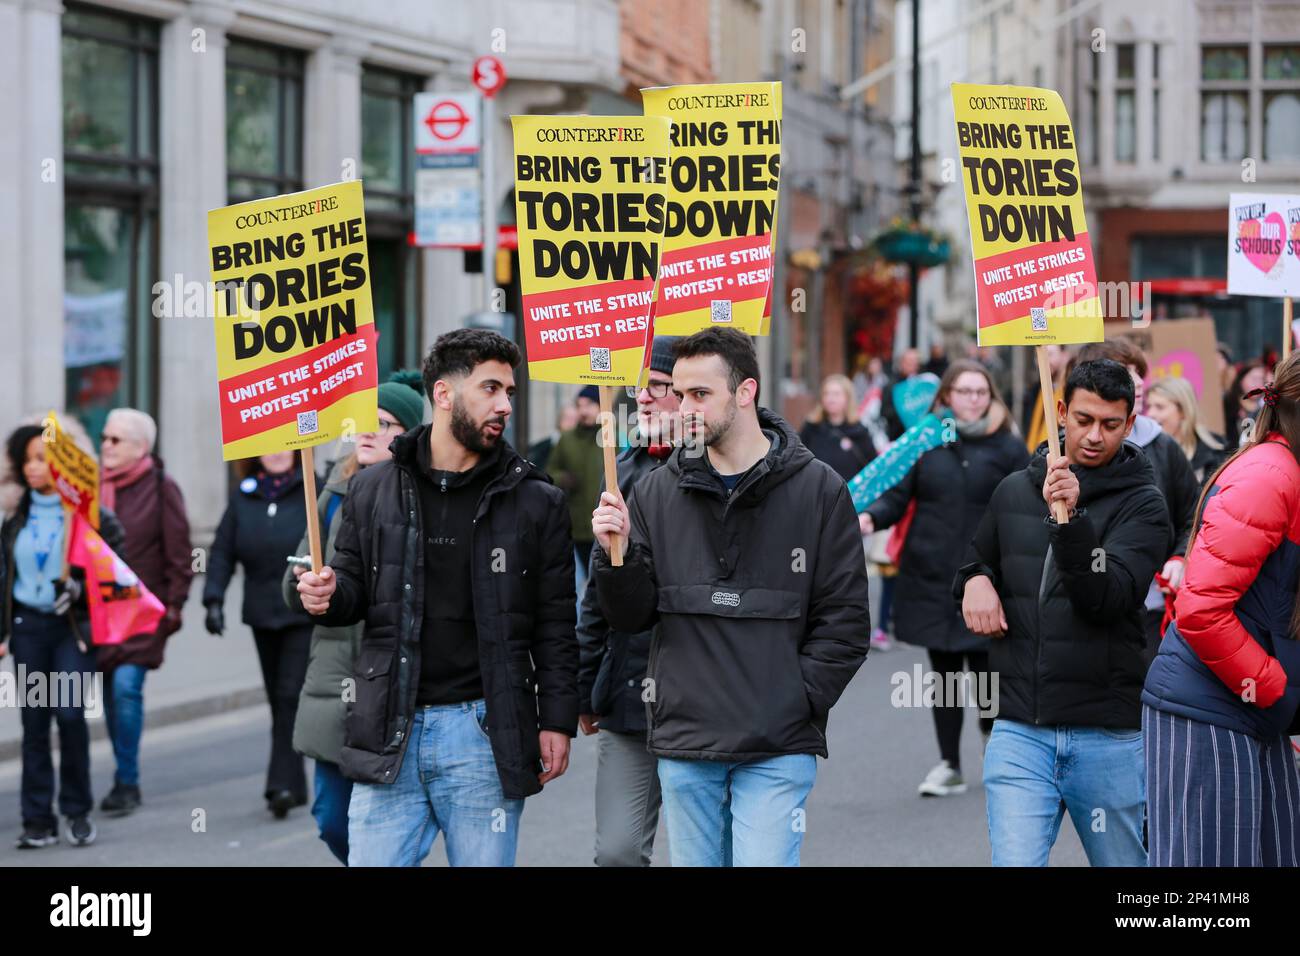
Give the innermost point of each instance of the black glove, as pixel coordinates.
(66, 594)
(215, 622)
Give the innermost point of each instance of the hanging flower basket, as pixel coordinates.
(911, 243)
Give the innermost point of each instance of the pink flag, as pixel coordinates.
(120, 605)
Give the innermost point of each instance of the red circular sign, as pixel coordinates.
(489, 75)
(446, 120)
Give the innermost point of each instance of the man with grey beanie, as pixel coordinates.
(612, 664)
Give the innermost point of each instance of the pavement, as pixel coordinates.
(207, 741)
(201, 675)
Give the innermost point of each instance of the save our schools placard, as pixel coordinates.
(590, 194)
(720, 228)
(296, 363)
(1035, 280)
(74, 471)
(1263, 244)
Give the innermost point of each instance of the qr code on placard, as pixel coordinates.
(307, 424)
(720, 310)
(600, 360)
(1038, 319)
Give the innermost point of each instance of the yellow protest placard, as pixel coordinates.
(1034, 275)
(589, 197)
(74, 470)
(720, 229)
(765, 327)
(296, 360)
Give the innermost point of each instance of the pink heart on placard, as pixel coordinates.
(1254, 229)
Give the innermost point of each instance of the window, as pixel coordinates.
(1282, 125)
(1125, 104)
(387, 151)
(387, 167)
(1225, 112)
(1090, 149)
(1282, 63)
(1281, 102)
(1155, 101)
(263, 120)
(110, 136)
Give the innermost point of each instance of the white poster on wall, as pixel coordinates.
(94, 328)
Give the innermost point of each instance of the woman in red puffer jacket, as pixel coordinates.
(1221, 697)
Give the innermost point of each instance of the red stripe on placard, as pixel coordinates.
(615, 317)
(737, 269)
(265, 398)
(1004, 292)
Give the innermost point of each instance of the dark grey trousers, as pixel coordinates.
(627, 800)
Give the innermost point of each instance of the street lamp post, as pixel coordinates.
(914, 172)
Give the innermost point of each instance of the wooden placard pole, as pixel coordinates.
(1287, 334)
(1059, 511)
(309, 500)
(609, 446)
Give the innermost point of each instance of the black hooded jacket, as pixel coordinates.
(521, 576)
(612, 665)
(760, 596)
(1072, 593)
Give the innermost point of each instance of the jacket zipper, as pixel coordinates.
(1038, 647)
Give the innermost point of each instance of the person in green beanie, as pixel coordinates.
(322, 706)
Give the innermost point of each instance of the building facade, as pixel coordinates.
(1175, 104)
(135, 117)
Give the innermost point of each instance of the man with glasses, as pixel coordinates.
(148, 502)
(612, 664)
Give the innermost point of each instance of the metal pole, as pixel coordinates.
(914, 172)
(489, 202)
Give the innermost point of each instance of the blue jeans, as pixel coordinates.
(448, 781)
(44, 643)
(732, 813)
(1032, 775)
(330, 808)
(124, 710)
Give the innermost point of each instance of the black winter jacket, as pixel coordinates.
(1072, 593)
(1172, 474)
(259, 534)
(952, 485)
(828, 442)
(760, 596)
(612, 664)
(522, 579)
